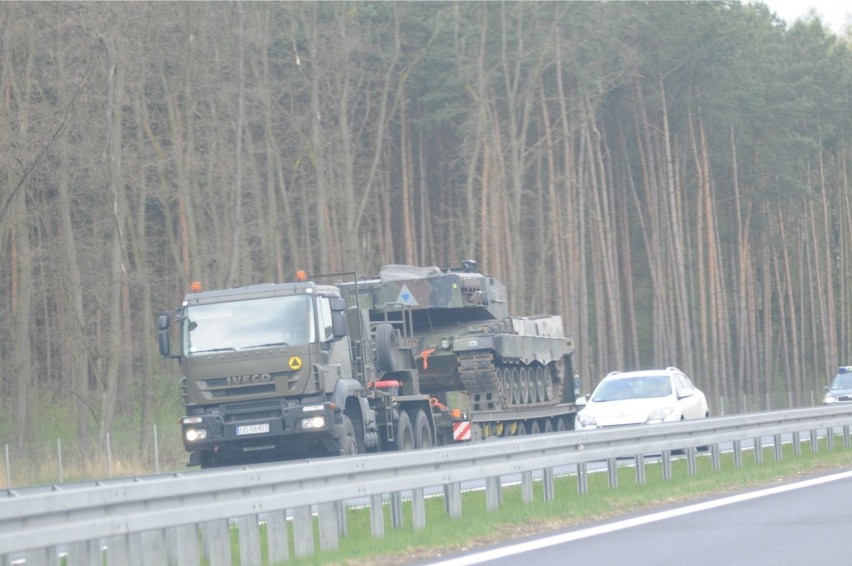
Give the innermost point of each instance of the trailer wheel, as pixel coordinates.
(348, 442)
(387, 350)
(404, 432)
(422, 430)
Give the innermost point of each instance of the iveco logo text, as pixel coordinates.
(246, 379)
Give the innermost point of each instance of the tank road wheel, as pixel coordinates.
(522, 429)
(525, 386)
(548, 425)
(548, 383)
(505, 377)
(534, 428)
(422, 431)
(540, 385)
(535, 386)
(348, 442)
(560, 424)
(404, 432)
(387, 350)
(516, 387)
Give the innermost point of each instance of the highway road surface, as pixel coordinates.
(793, 523)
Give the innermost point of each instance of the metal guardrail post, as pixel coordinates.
(582, 479)
(691, 464)
(549, 486)
(758, 450)
(526, 487)
(667, 464)
(185, 545)
(248, 535)
(612, 472)
(454, 500)
(493, 493)
(342, 522)
(377, 516)
(829, 435)
(396, 509)
(846, 442)
(797, 444)
(814, 442)
(715, 457)
(640, 469)
(217, 542)
(303, 530)
(277, 536)
(738, 454)
(329, 530)
(418, 508)
(779, 448)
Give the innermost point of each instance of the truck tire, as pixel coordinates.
(422, 431)
(387, 350)
(348, 440)
(404, 432)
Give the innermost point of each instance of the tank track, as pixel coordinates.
(496, 384)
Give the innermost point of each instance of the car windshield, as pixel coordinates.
(238, 325)
(644, 387)
(842, 381)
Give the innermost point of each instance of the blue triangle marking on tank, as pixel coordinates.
(405, 297)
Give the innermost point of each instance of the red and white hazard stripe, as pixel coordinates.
(461, 431)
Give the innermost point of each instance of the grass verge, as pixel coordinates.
(478, 527)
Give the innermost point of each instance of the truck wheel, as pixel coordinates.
(422, 431)
(387, 350)
(348, 441)
(404, 433)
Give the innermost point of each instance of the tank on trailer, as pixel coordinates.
(453, 326)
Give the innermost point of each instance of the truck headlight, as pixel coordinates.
(195, 434)
(313, 422)
(829, 399)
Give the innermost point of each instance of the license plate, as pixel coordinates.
(252, 429)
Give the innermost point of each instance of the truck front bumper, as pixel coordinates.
(293, 430)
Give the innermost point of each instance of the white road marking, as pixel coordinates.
(520, 548)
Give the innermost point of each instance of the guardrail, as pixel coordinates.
(185, 518)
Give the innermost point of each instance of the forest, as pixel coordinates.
(669, 177)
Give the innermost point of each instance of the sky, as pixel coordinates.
(837, 14)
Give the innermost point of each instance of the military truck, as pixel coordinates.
(340, 364)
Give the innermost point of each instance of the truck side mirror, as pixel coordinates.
(337, 304)
(339, 327)
(163, 335)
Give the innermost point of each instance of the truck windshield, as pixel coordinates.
(254, 323)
